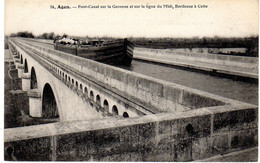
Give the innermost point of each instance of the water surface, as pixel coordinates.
(238, 90)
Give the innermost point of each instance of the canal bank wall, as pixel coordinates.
(224, 64)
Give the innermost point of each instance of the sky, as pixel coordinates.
(224, 18)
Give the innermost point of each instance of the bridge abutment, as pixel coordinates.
(35, 103)
(25, 81)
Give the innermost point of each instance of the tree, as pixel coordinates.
(64, 35)
(22, 34)
(44, 36)
(50, 35)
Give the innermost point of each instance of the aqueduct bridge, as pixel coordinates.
(166, 121)
(73, 88)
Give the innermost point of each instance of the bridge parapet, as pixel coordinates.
(188, 136)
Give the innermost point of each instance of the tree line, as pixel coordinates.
(250, 43)
(26, 34)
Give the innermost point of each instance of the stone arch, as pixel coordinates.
(25, 66)
(125, 115)
(106, 105)
(21, 59)
(114, 110)
(86, 91)
(91, 95)
(190, 129)
(92, 98)
(33, 79)
(77, 84)
(98, 100)
(80, 87)
(49, 105)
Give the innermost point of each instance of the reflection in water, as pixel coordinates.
(238, 90)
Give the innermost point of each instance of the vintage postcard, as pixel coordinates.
(131, 80)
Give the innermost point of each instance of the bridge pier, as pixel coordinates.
(20, 68)
(15, 57)
(16, 61)
(35, 103)
(26, 81)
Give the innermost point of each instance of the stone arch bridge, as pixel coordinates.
(58, 88)
(168, 122)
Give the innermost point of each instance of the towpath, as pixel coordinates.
(230, 70)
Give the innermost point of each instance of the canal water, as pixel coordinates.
(238, 90)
